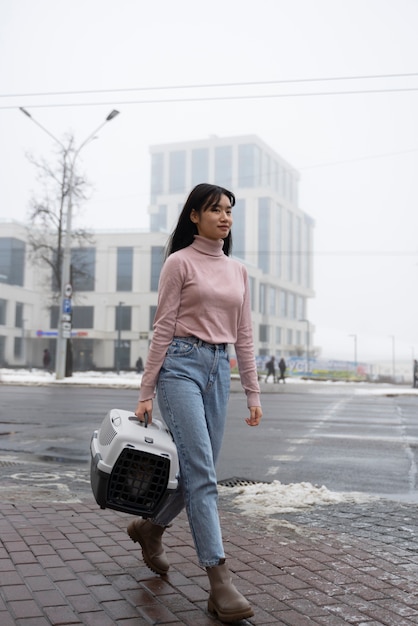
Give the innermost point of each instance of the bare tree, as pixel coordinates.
(59, 184)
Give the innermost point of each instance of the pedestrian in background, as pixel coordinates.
(415, 374)
(203, 305)
(271, 369)
(46, 359)
(282, 370)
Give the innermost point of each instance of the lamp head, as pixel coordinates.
(25, 112)
(111, 115)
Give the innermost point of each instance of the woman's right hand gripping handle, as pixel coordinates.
(144, 407)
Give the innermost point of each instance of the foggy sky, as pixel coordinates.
(357, 153)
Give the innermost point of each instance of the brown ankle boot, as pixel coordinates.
(148, 535)
(225, 600)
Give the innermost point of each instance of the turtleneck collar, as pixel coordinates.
(212, 247)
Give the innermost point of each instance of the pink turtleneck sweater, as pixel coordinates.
(203, 293)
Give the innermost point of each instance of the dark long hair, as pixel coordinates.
(200, 199)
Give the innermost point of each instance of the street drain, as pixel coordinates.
(238, 482)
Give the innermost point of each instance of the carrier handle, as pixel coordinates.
(146, 420)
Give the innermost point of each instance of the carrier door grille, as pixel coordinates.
(138, 481)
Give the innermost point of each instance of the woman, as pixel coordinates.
(203, 305)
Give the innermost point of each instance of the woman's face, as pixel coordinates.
(215, 221)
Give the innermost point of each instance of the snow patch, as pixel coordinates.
(272, 498)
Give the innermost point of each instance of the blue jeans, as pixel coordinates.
(193, 392)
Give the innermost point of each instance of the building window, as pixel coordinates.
(18, 343)
(83, 350)
(262, 299)
(252, 287)
(283, 304)
(157, 174)
(83, 317)
(266, 170)
(83, 268)
(157, 258)
(300, 307)
(249, 157)
(19, 315)
(289, 337)
(124, 269)
(177, 174)
(278, 241)
(275, 175)
(298, 257)
(123, 318)
(284, 183)
(289, 247)
(291, 309)
(53, 316)
(158, 221)
(263, 333)
(223, 166)
(272, 301)
(278, 335)
(2, 350)
(295, 189)
(3, 308)
(12, 261)
(152, 311)
(264, 234)
(308, 251)
(200, 165)
(238, 229)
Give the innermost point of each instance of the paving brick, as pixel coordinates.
(15, 592)
(83, 569)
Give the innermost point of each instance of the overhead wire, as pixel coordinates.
(213, 98)
(211, 85)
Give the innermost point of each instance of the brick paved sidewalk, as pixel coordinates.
(74, 564)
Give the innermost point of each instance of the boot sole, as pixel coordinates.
(229, 617)
(136, 538)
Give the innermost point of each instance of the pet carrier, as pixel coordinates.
(134, 466)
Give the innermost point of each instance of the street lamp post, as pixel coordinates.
(64, 333)
(307, 343)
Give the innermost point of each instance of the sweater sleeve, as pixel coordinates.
(169, 296)
(244, 347)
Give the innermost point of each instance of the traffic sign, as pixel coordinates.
(68, 290)
(67, 306)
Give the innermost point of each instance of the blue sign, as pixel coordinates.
(66, 306)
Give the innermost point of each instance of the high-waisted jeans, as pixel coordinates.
(193, 392)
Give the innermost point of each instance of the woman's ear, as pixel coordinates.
(194, 216)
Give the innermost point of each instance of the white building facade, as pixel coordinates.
(114, 299)
(270, 233)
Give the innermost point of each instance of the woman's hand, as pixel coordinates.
(144, 406)
(256, 413)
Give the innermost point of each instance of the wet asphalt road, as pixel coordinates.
(325, 435)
